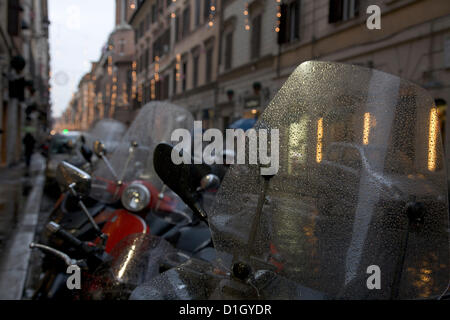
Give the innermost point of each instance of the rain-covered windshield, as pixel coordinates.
(360, 151)
(109, 131)
(134, 260)
(133, 157)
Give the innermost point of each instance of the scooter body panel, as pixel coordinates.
(121, 225)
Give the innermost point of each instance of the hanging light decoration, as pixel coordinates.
(124, 94)
(156, 68)
(113, 97)
(140, 93)
(212, 13)
(152, 89)
(277, 27)
(177, 67)
(110, 65)
(134, 80)
(247, 24)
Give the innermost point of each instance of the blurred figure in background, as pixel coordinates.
(29, 143)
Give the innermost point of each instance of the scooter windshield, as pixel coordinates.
(134, 260)
(108, 131)
(133, 158)
(358, 208)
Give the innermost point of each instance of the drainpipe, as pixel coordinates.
(219, 63)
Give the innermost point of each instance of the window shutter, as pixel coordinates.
(336, 11)
(177, 28)
(297, 19)
(228, 50)
(256, 37)
(209, 57)
(13, 17)
(356, 8)
(197, 12)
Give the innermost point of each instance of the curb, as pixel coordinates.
(14, 267)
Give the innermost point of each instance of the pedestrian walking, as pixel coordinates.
(29, 141)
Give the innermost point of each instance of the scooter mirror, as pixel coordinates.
(69, 176)
(99, 148)
(183, 179)
(208, 182)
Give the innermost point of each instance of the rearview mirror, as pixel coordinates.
(208, 182)
(69, 176)
(99, 148)
(183, 179)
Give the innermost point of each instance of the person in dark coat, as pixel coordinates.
(29, 143)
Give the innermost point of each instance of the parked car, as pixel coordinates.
(62, 148)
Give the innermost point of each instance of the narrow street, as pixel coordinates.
(224, 150)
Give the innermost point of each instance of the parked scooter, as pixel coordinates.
(384, 231)
(133, 202)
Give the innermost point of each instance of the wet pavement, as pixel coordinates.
(20, 196)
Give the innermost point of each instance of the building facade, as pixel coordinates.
(24, 84)
(177, 53)
(226, 59)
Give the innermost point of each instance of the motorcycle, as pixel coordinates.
(133, 202)
(381, 234)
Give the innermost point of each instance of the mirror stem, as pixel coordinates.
(160, 197)
(110, 168)
(67, 260)
(86, 211)
(130, 155)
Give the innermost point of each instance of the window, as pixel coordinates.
(154, 13)
(177, 28)
(256, 37)
(121, 46)
(174, 81)
(228, 50)
(165, 87)
(148, 18)
(343, 10)
(198, 4)
(209, 64)
(13, 17)
(290, 22)
(141, 29)
(186, 22)
(161, 45)
(195, 74)
(183, 87)
(146, 60)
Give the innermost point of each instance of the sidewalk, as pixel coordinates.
(15, 255)
(11, 182)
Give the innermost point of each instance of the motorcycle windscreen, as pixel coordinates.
(134, 260)
(358, 207)
(108, 131)
(154, 123)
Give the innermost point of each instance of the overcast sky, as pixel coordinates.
(78, 31)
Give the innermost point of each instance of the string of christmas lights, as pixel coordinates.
(277, 27)
(212, 13)
(247, 24)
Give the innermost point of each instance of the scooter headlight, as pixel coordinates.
(135, 197)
